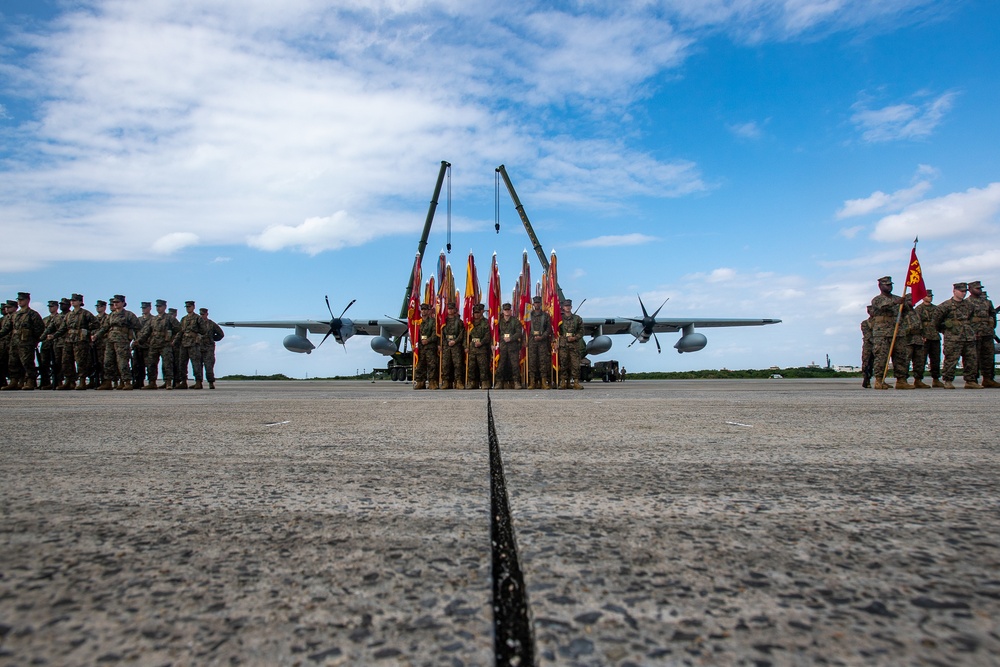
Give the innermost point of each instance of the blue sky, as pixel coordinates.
(743, 158)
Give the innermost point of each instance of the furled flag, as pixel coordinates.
(915, 277)
(551, 304)
(494, 305)
(413, 309)
(446, 296)
(473, 294)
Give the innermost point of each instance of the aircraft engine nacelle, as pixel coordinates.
(298, 343)
(598, 345)
(691, 342)
(383, 345)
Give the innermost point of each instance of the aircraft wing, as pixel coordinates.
(340, 329)
(619, 325)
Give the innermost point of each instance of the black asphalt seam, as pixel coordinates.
(512, 638)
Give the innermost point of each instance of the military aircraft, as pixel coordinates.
(388, 333)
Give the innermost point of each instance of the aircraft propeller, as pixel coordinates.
(648, 322)
(335, 322)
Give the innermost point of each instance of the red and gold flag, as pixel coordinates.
(494, 305)
(551, 302)
(413, 309)
(915, 278)
(473, 293)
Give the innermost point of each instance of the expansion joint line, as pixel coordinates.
(513, 643)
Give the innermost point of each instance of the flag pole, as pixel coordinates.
(899, 316)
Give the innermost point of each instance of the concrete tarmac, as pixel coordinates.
(784, 522)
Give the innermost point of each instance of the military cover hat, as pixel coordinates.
(567, 303)
(160, 302)
(507, 306)
(964, 287)
(478, 308)
(536, 299)
(23, 295)
(203, 310)
(189, 304)
(118, 297)
(452, 306)
(172, 311)
(425, 306)
(102, 302)
(976, 283)
(885, 279)
(53, 302)
(930, 293)
(146, 304)
(11, 302)
(77, 297)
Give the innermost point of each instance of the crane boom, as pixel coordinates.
(422, 244)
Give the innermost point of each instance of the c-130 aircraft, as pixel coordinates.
(388, 334)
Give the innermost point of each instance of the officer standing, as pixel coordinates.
(140, 349)
(453, 350)
(984, 324)
(867, 355)
(47, 365)
(511, 334)
(5, 329)
(215, 334)
(159, 333)
(539, 347)
(180, 373)
(885, 308)
(193, 332)
(480, 350)
(75, 331)
(99, 344)
(426, 372)
(927, 312)
(955, 321)
(26, 330)
(118, 331)
(570, 336)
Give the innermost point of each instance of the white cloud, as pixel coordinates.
(750, 130)
(880, 201)
(171, 243)
(316, 234)
(619, 240)
(952, 215)
(851, 232)
(902, 121)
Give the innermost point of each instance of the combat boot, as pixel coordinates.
(577, 385)
(14, 385)
(29, 385)
(151, 385)
(68, 384)
(459, 384)
(937, 384)
(105, 386)
(990, 383)
(564, 384)
(198, 385)
(866, 382)
(183, 384)
(211, 384)
(83, 385)
(973, 385)
(919, 384)
(545, 383)
(948, 384)
(485, 385)
(880, 385)
(126, 386)
(901, 383)
(432, 385)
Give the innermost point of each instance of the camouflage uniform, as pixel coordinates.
(453, 355)
(5, 329)
(954, 319)
(26, 330)
(140, 350)
(427, 351)
(99, 345)
(927, 312)
(984, 324)
(193, 332)
(867, 351)
(539, 349)
(885, 308)
(480, 367)
(118, 332)
(569, 350)
(158, 334)
(180, 373)
(215, 334)
(511, 334)
(48, 365)
(75, 330)
(911, 335)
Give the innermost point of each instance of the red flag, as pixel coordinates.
(494, 306)
(915, 279)
(473, 294)
(554, 307)
(413, 308)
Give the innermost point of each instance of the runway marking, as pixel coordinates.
(513, 643)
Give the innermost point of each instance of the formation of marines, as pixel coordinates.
(967, 321)
(462, 356)
(77, 349)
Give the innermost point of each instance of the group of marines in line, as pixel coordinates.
(462, 357)
(77, 349)
(914, 335)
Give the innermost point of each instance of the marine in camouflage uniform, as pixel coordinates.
(5, 329)
(885, 308)
(426, 372)
(159, 334)
(931, 351)
(480, 368)
(911, 336)
(867, 351)
(180, 374)
(193, 332)
(140, 350)
(99, 343)
(954, 319)
(215, 334)
(984, 324)
(47, 363)
(570, 338)
(118, 332)
(511, 334)
(453, 350)
(539, 347)
(26, 330)
(75, 331)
